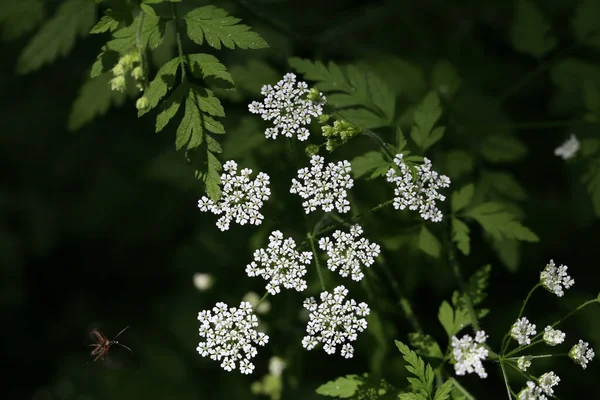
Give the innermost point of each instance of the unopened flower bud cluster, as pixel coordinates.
(241, 198)
(130, 62)
(418, 192)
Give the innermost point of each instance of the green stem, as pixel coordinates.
(461, 389)
(179, 43)
(505, 380)
(507, 338)
(587, 303)
(349, 220)
(311, 238)
(262, 299)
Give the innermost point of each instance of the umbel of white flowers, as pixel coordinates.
(280, 264)
(469, 353)
(555, 279)
(347, 254)
(230, 336)
(419, 192)
(522, 330)
(544, 387)
(334, 322)
(324, 188)
(241, 198)
(290, 106)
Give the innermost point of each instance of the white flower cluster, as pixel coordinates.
(325, 189)
(334, 322)
(348, 254)
(546, 383)
(469, 354)
(241, 198)
(582, 353)
(420, 193)
(524, 362)
(568, 149)
(555, 278)
(552, 337)
(230, 336)
(280, 264)
(288, 106)
(522, 330)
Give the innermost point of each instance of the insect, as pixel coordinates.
(103, 344)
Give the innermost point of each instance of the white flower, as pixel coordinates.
(469, 354)
(568, 149)
(554, 279)
(334, 322)
(548, 381)
(241, 198)
(325, 189)
(288, 106)
(230, 335)
(280, 264)
(276, 366)
(524, 362)
(582, 353)
(348, 254)
(252, 298)
(552, 337)
(203, 281)
(521, 330)
(418, 193)
(531, 392)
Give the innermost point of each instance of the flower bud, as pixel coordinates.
(118, 70)
(137, 73)
(312, 150)
(142, 103)
(118, 83)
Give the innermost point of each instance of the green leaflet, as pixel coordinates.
(160, 85)
(56, 38)
(428, 243)
(425, 117)
(500, 223)
(453, 320)
(360, 95)
(18, 18)
(531, 33)
(207, 66)
(358, 387)
(425, 345)
(343, 387)
(94, 99)
(460, 236)
(422, 385)
(585, 23)
(462, 198)
(214, 25)
(371, 162)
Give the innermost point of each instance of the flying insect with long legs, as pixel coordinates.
(103, 344)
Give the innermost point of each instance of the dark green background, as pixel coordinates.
(100, 228)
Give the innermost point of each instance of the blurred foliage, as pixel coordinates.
(99, 226)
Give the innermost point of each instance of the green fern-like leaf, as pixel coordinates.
(460, 236)
(423, 383)
(95, 99)
(361, 96)
(425, 117)
(161, 84)
(531, 33)
(18, 18)
(497, 221)
(57, 36)
(371, 162)
(208, 67)
(453, 320)
(214, 25)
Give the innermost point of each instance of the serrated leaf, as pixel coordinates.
(152, 34)
(445, 79)
(214, 25)
(502, 148)
(148, 10)
(190, 133)
(57, 36)
(105, 61)
(477, 285)
(170, 106)
(411, 396)
(371, 161)
(425, 345)
(425, 116)
(423, 383)
(94, 99)
(106, 23)
(206, 66)
(161, 84)
(462, 198)
(585, 23)
(460, 236)
(443, 392)
(531, 33)
(343, 387)
(500, 223)
(446, 318)
(400, 140)
(18, 18)
(351, 88)
(428, 243)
